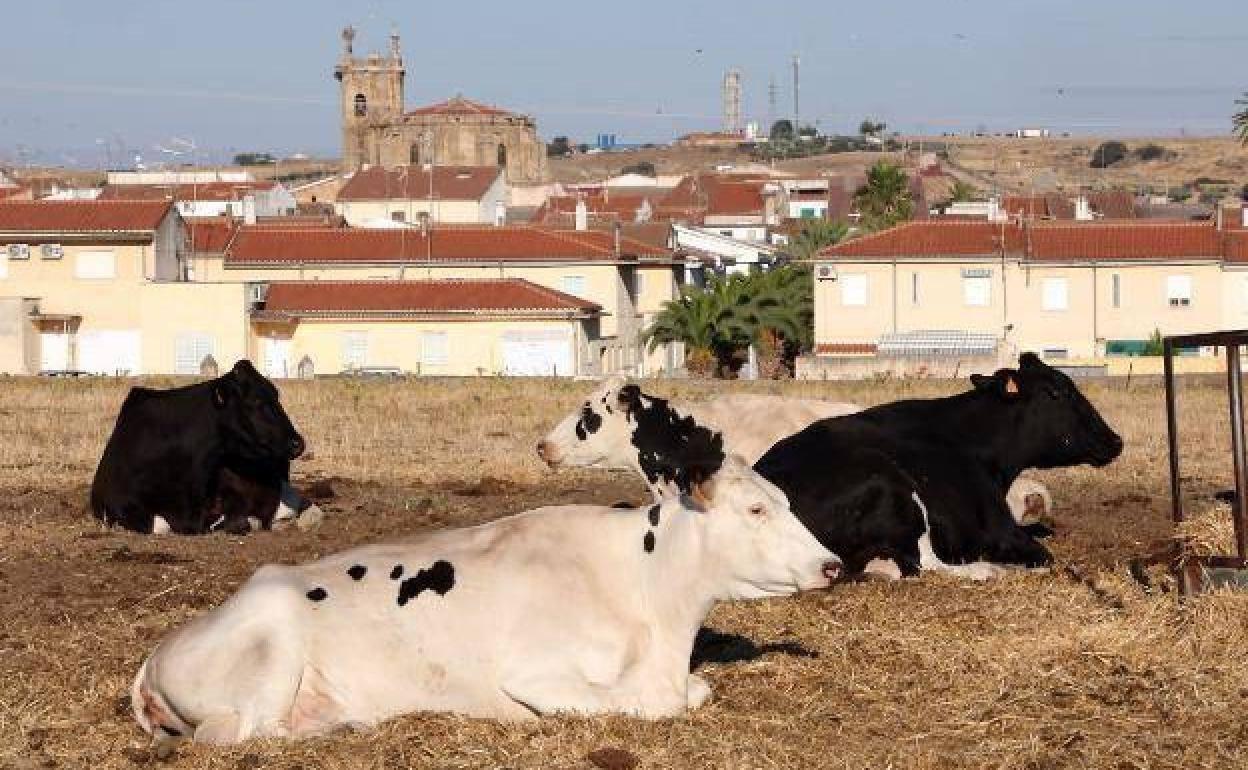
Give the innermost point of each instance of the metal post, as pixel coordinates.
(1172, 431)
(1235, 383)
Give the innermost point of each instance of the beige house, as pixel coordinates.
(408, 195)
(475, 327)
(1070, 291)
(99, 287)
(628, 279)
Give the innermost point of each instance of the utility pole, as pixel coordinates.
(771, 102)
(797, 112)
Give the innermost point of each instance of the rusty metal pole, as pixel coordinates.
(1235, 385)
(1172, 432)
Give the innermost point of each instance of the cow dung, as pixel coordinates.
(611, 758)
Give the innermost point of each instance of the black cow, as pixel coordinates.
(190, 460)
(923, 482)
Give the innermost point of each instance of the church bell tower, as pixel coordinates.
(371, 89)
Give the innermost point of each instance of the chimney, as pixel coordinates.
(249, 209)
(617, 240)
(1083, 211)
(582, 215)
(500, 214)
(995, 214)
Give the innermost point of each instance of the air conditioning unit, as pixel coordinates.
(52, 251)
(825, 273)
(19, 251)
(256, 293)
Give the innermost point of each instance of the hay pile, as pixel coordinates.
(1082, 667)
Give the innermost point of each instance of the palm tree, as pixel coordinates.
(885, 199)
(692, 319)
(816, 235)
(1240, 120)
(773, 311)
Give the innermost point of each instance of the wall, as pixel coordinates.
(360, 213)
(474, 346)
(169, 310)
(19, 344)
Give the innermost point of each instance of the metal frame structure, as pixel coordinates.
(1195, 576)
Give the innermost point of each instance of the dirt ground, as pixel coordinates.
(1082, 667)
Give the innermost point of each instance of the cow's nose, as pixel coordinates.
(546, 452)
(832, 570)
(296, 447)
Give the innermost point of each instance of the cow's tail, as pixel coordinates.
(153, 713)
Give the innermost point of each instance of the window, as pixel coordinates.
(977, 291)
(361, 106)
(1054, 294)
(807, 213)
(1179, 290)
(51, 251)
(398, 216)
(914, 288)
(1050, 353)
(1116, 289)
(413, 154)
(726, 233)
(18, 251)
(189, 351)
(434, 350)
(573, 284)
(501, 155)
(853, 289)
(639, 283)
(354, 349)
(96, 265)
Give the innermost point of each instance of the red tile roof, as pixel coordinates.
(700, 195)
(458, 105)
(932, 238)
(338, 298)
(207, 191)
(1236, 249)
(209, 235)
(516, 243)
(413, 183)
(1112, 204)
(620, 206)
(81, 216)
(1124, 240)
(1040, 241)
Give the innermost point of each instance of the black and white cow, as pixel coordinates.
(621, 427)
(572, 608)
(615, 423)
(214, 455)
(923, 482)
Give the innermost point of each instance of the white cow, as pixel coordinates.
(610, 431)
(572, 608)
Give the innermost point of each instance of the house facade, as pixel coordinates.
(406, 195)
(1070, 291)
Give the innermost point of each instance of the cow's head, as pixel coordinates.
(756, 546)
(620, 427)
(1051, 423)
(252, 419)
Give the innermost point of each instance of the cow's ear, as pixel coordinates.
(1030, 360)
(981, 381)
(701, 489)
(1004, 383)
(629, 397)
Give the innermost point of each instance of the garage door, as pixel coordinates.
(537, 353)
(109, 352)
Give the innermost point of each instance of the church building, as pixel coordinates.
(457, 132)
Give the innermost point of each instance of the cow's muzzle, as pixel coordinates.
(296, 447)
(832, 570)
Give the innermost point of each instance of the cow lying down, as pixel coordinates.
(191, 460)
(572, 608)
(621, 428)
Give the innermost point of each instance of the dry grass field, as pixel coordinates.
(1081, 667)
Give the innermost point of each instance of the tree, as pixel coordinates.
(1107, 154)
(808, 131)
(816, 235)
(1240, 120)
(962, 191)
(253, 159)
(558, 147)
(691, 319)
(885, 199)
(869, 127)
(645, 168)
(782, 130)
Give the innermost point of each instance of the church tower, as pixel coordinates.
(371, 99)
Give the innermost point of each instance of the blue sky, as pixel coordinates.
(85, 78)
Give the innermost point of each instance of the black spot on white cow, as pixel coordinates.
(439, 578)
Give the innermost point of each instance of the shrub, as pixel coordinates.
(1107, 154)
(1152, 152)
